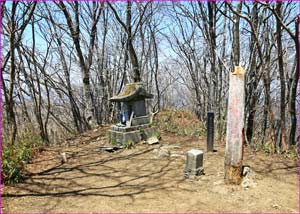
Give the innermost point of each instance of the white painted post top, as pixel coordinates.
(195, 152)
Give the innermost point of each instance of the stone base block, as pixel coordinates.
(116, 137)
(119, 135)
(147, 133)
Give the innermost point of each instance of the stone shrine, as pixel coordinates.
(133, 122)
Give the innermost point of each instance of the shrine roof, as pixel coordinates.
(132, 91)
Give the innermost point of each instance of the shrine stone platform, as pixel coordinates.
(122, 135)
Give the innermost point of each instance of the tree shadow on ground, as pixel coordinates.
(107, 177)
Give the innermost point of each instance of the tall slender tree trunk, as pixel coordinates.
(10, 102)
(38, 97)
(282, 134)
(212, 39)
(293, 95)
(85, 64)
(252, 76)
(236, 36)
(131, 50)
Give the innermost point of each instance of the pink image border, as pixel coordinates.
(1, 58)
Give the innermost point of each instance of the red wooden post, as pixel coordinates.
(235, 126)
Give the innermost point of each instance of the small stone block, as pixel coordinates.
(147, 133)
(152, 140)
(194, 163)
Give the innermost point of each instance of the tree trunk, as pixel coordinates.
(132, 53)
(293, 95)
(85, 65)
(252, 75)
(212, 40)
(236, 36)
(282, 134)
(11, 118)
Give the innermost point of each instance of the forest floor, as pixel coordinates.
(149, 178)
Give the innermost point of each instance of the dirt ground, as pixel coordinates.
(149, 178)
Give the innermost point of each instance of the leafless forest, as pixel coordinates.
(62, 61)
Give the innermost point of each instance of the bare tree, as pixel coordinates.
(85, 63)
(15, 32)
(130, 36)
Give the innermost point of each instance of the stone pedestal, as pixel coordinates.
(135, 134)
(194, 163)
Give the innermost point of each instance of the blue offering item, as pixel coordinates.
(124, 117)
